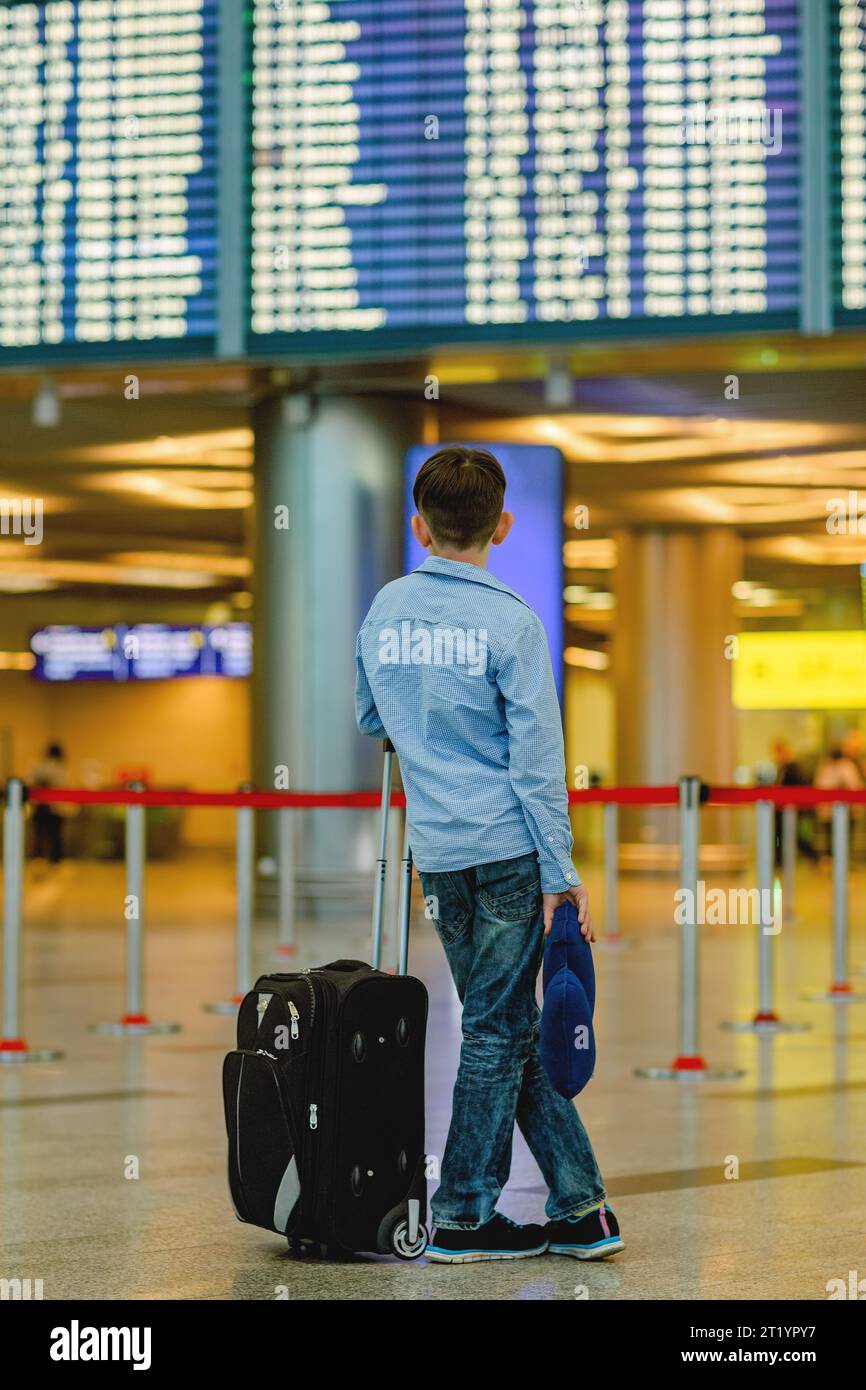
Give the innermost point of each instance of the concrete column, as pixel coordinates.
(672, 675)
(336, 464)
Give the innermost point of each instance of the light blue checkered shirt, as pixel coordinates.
(454, 667)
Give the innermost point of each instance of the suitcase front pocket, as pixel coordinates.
(264, 1173)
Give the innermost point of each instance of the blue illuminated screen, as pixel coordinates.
(141, 652)
(499, 169)
(108, 177)
(530, 560)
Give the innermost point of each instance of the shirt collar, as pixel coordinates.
(462, 569)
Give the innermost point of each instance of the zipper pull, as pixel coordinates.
(314, 1117)
(295, 1017)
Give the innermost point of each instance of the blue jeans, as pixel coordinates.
(490, 922)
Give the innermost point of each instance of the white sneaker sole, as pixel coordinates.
(589, 1252)
(468, 1257)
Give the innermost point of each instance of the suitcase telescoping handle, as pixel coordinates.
(381, 871)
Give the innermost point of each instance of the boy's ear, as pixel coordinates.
(504, 525)
(421, 532)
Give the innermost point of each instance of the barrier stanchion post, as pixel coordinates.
(135, 1020)
(689, 1065)
(286, 882)
(13, 1047)
(244, 889)
(611, 936)
(841, 991)
(789, 864)
(766, 1020)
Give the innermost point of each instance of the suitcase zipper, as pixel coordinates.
(314, 1100)
(305, 976)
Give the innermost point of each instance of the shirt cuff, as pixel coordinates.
(558, 878)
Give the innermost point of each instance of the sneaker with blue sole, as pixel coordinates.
(498, 1239)
(593, 1236)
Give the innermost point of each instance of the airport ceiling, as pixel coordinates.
(153, 495)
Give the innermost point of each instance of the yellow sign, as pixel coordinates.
(800, 670)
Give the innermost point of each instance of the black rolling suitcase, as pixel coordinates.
(324, 1097)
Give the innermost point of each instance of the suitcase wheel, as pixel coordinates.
(394, 1236)
(400, 1244)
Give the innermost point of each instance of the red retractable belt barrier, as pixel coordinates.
(266, 801)
(783, 796)
(610, 798)
(590, 796)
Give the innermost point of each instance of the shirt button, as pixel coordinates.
(550, 839)
(570, 877)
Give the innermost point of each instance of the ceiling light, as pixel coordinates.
(229, 566)
(16, 578)
(24, 583)
(587, 658)
(17, 661)
(590, 555)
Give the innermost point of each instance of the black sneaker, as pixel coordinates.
(593, 1236)
(497, 1239)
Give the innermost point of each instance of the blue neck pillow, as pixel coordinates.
(567, 1040)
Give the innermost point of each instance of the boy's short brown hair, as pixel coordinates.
(460, 493)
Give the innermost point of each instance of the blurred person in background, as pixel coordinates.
(836, 771)
(790, 773)
(50, 771)
(854, 747)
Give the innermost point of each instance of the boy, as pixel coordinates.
(454, 668)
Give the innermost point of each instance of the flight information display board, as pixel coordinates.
(108, 177)
(475, 169)
(848, 159)
(141, 652)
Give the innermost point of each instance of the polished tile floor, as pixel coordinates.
(112, 1160)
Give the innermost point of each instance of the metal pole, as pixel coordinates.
(841, 822)
(381, 864)
(286, 888)
(766, 835)
(245, 836)
(789, 863)
(13, 1048)
(405, 902)
(765, 1020)
(135, 854)
(841, 990)
(13, 870)
(689, 1065)
(393, 881)
(611, 873)
(245, 891)
(134, 1020)
(689, 1056)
